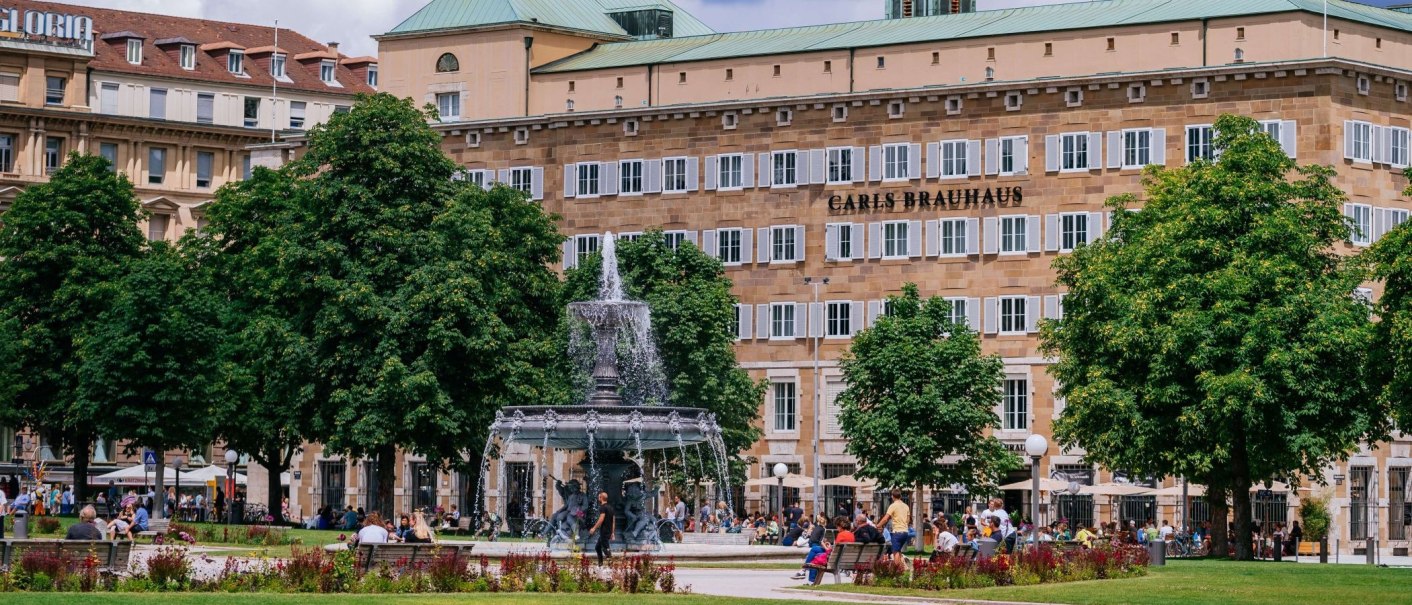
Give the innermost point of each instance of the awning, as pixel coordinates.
(1045, 485)
(849, 481)
(212, 473)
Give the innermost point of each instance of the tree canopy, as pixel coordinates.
(1390, 363)
(1215, 334)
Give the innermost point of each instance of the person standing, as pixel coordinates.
(898, 519)
(793, 514)
(66, 503)
(679, 516)
(113, 496)
(4, 510)
(1296, 534)
(604, 528)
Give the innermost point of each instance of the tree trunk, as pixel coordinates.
(275, 462)
(1240, 498)
(1216, 499)
(919, 520)
(81, 452)
(159, 502)
(386, 467)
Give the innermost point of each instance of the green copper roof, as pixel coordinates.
(1058, 17)
(584, 15)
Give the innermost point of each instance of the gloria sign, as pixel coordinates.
(954, 199)
(50, 26)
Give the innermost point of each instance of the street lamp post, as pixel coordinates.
(780, 470)
(231, 458)
(818, 333)
(1338, 483)
(1035, 446)
(176, 502)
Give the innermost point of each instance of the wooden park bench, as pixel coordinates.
(155, 527)
(847, 557)
(112, 556)
(407, 554)
(463, 526)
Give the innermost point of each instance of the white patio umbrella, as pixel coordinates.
(849, 481)
(1115, 489)
(138, 475)
(210, 473)
(1045, 485)
(791, 480)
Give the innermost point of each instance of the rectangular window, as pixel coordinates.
(448, 106)
(1397, 147)
(1011, 155)
(674, 239)
(109, 151)
(587, 174)
(1359, 487)
(729, 173)
(782, 320)
(1012, 315)
(134, 51)
(1075, 153)
(1360, 137)
(252, 112)
(157, 227)
(331, 482)
(728, 246)
(156, 165)
(1198, 144)
(205, 162)
(844, 233)
(53, 154)
(1137, 148)
(277, 63)
(895, 239)
(1362, 215)
(895, 162)
(188, 57)
(953, 237)
(522, 179)
(1017, 405)
(7, 153)
(246, 168)
(205, 108)
(328, 72)
(54, 90)
(1073, 230)
(782, 245)
(1013, 234)
(298, 110)
(840, 165)
(953, 159)
(674, 175)
(157, 104)
(586, 245)
(9, 86)
(235, 62)
(959, 307)
(838, 320)
(108, 98)
(786, 168)
(786, 406)
(630, 177)
(373, 76)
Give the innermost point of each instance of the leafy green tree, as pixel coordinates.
(148, 363)
(1390, 262)
(693, 314)
(428, 303)
(916, 390)
(1215, 335)
(63, 243)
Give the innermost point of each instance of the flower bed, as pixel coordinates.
(1044, 565)
(313, 570)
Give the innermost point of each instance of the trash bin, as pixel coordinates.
(1157, 552)
(21, 525)
(986, 547)
(1278, 551)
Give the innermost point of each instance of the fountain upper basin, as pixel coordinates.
(613, 426)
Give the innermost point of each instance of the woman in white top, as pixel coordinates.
(373, 532)
(945, 540)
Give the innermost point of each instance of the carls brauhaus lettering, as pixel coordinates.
(954, 199)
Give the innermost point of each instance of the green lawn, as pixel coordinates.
(1205, 583)
(305, 599)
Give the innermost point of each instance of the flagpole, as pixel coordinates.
(274, 87)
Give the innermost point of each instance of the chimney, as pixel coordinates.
(333, 47)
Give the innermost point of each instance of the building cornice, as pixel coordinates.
(508, 25)
(284, 88)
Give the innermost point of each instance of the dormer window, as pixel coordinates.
(373, 76)
(277, 62)
(134, 51)
(328, 71)
(188, 57)
(235, 62)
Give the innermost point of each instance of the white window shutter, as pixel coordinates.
(1061, 297)
(914, 161)
(818, 166)
(747, 172)
(1095, 151)
(691, 237)
(933, 160)
(764, 241)
(767, 171)
(1378, 150)
(608, 178)
(1022, 155)
(746, 235)
(914, 239)
(1051, 307)
(875, 240)
(571, 254)
(1289, 137)
(1032, 232)
(503, 176)
(801, 316)
(973, 157)
(762, 322)
(710, 242)
(1159, 146)
(831, 242)
(1348, 139)
(1379, 224)
(801, 168)
(652, 176)
(1051, 233)
(992, 235)
(855, 317)
(1032, 312)
(874, 309)
(973, 313)
(571, 180)
(858, 241)
(875, 163)
(1096, 228)
(799, 243)
(933, 238)
(858, 161)
(973, 236)
(536, 182)
(693, 174)
(1052, 152)
(992, 315)
(816, 320)
(712, 171)
(746, 314)
(992, 157)
(1115, 149)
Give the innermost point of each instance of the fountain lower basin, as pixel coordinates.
(613, 427)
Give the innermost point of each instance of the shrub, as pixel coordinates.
(1314, 511)
(169, 569)
(46, 525)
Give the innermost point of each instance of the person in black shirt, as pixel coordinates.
(84, 529)
(793, 514)
(865, 532)
(604, 528)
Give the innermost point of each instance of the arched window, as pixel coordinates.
(447, 63)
